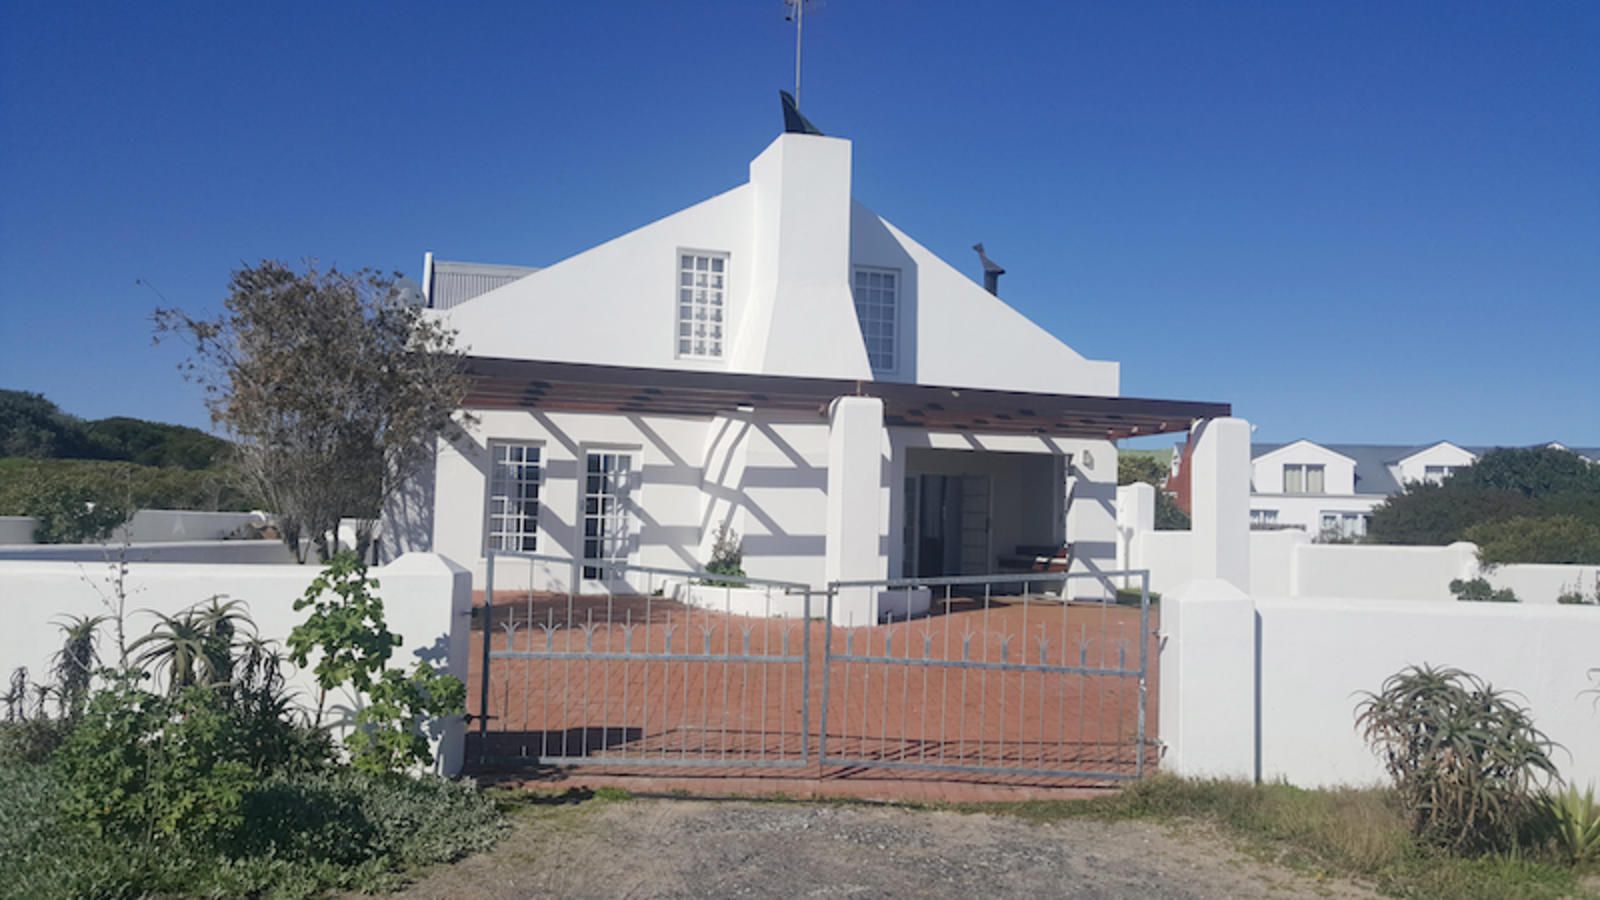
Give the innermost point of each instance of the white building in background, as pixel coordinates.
(1330, 490)
(782, 360)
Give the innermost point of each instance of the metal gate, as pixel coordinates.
(653, 667)
(996, 674)
(642, 666)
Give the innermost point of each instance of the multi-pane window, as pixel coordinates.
(1303, 479)
(877, 296)
(606, 532)
(1344, 525)
(513, 496)
(702, 291)
(1437, 474)
(1263, 518)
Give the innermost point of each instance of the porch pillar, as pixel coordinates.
(1219, 491)
(855, 547)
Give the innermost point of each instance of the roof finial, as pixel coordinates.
(793, 122)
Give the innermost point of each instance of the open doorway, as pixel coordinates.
(947, 525)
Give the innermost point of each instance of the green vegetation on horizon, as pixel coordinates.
(32, 427)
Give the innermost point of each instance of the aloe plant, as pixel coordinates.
(1573, 821)
(1465, 759)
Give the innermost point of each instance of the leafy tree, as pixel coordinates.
(1548, 539)
(1134, 467)
(334, 386)
(1531, 505)
(1533, 472)
(1442, 513)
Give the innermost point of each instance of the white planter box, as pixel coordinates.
(761, 602)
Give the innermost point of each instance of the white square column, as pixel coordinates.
(1219, 499)
(854, 545)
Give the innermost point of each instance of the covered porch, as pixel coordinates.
(920, 480)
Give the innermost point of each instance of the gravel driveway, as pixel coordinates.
(712, 849)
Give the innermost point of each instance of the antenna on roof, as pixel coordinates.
(797, 15)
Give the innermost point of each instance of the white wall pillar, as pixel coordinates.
(1092, 519)
(1219, 492)
(1208, 703)
(854, 542)
(1136, 514)
(428, 599)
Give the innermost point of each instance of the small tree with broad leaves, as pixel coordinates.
(334, 387)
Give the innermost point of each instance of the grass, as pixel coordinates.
(1346, 833)
(306, 835)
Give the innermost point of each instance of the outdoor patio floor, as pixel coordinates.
(735, 723)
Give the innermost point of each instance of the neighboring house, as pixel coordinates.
(1329, 490)
(781, 360)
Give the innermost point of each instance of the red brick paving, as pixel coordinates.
(737, 726)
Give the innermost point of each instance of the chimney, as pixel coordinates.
(991, 271)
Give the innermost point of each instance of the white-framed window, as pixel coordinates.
(1303, 479)
(877, 296)
(702, 304)
(1263, 518)
(1437, 474)
(513, 508)
(607, 525)
(1345, 524)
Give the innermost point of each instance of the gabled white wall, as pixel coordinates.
(953, 332)
(1415, 467)
(792, 235)
(615, 304)
(1339, 475)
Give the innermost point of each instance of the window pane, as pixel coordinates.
(703, 301)
(512, 509)
(1314, 479)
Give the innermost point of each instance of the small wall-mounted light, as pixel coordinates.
(1088, 459)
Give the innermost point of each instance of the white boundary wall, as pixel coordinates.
(1258, 685)
(151, 526)
(427, 600)
(1286, 563)
(1317, 655)
(260, 552)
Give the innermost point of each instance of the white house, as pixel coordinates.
(1329, 490)
(782, 360)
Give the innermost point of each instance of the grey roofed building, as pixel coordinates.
(446, 284)
(1374, 474)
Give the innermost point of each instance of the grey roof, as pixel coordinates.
(454, 283)
(1373, 460)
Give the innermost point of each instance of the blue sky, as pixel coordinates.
(1357, 222)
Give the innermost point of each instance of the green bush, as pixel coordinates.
(1547, 539)
(124, 484)
(298, 835)
(347, 632)
(1465, 760)
(73, 513)
(1479, 590)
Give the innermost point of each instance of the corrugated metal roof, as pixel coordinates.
(454, 283)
